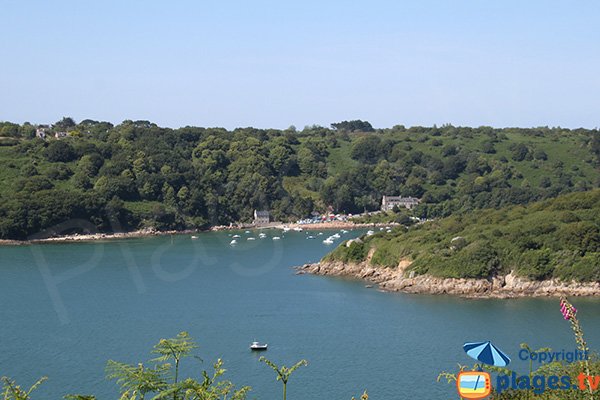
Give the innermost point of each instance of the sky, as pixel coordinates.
(272, 64)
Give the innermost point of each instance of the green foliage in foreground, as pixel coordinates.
(283, 372)
(556, 238)
(138, 175)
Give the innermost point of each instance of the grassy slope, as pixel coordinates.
(553, 238)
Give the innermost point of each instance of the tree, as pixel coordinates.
(354, 125)
(60, 151)
(283, 372)
(175, 349)
(65, 123)
(137, 380)
(519, 152)
(366, 149)
(11, 391)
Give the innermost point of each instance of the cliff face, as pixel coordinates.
(396, 280)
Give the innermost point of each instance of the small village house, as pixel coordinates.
(261, 217)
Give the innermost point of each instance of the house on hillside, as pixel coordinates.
(389, 202)
(60, 135)
(40, 133)
(261, 217)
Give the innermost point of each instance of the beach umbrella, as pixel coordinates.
(486, 353)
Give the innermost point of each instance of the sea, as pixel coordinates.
(68, 308)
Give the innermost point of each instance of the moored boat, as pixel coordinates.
(256, 346)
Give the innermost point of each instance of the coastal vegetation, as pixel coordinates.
(138, 175)
(554, 238)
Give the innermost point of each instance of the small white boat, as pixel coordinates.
(255, 346)
(286, 229)
(247, 232)
(369, 233)
(194, 237)
(319, 234)
(337, 236)
(233, 242)
(276, 238)
(262, 235)
(298, 229)
(251, 238)
(328, 241)
(235, 236)
(344, 231)
(310, 237)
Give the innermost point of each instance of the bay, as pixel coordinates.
(65, 309)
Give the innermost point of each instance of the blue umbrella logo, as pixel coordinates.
(486, 353)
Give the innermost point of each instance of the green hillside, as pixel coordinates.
(556, 238)
(137, 174)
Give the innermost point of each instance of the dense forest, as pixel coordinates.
(137, 174)
(554, 238)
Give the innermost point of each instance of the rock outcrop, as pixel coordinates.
(398, 280)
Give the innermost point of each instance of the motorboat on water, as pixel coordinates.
(194, 237)
(328, 241)
(256, 346)
(233, 242)
(276, 238)
(236, 236)
(251, 238)
(262, 235)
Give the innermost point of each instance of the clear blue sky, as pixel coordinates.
(278, 63)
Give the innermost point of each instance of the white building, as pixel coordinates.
(261, 217)
(389, 202)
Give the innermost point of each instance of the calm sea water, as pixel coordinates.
(65, 309)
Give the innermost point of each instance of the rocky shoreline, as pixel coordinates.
(91, 237)
(396, 280)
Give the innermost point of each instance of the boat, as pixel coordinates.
(286, 229)
(233, 242)
(194, 237)
(298, 229)
(276, 238)
(369, 233)
(236, 236)
(328, 241)
(251, 238)
(247, 232)
(255, 346)
(262, 235)
(310, 237)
